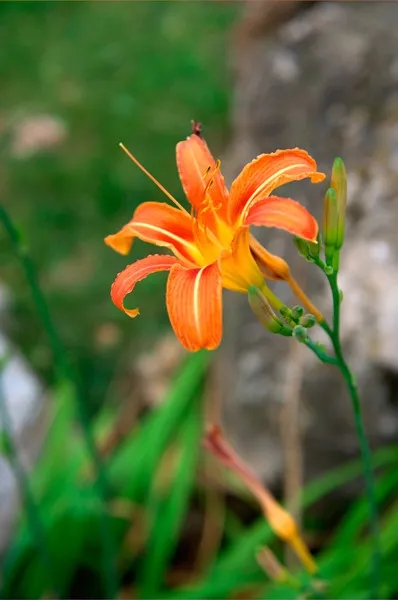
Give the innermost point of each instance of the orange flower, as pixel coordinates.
(211, 246)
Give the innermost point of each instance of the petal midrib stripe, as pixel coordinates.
(196, 303)
(181, 240)
(270, 179)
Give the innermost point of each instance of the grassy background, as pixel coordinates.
(136, 72)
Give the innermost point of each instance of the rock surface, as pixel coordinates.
(327, 81)
(23, 415)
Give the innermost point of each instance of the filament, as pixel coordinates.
(152, 178)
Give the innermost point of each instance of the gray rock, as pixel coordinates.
(23, 414)
(326, 81)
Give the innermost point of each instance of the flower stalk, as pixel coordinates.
(366, 455)
(333, 238)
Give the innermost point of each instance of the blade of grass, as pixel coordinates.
(131, 468)
(71, 527)
(57, 475)
(338, 555)
(168, 512)
(241, 555)
(351, 578)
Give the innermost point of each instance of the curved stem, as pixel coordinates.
(349, 379)
(320, 353)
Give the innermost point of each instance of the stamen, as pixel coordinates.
(216, 168)
(207, 172)
(152, 178)
(210, 183)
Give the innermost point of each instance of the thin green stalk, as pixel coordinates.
(320, 353)
(32, 510)
(64, 370)
(349, 379)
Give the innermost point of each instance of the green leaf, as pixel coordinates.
(131, 469)
(167, 510)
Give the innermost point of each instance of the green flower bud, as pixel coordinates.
(297, 312)
(307, 321)
(264, 313)
(300, 333)
(308, 250)
(287, 314)
(339, 184)
(330, 220)
(315, 247)
(303, 247)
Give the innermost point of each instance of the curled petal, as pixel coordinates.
(195, 307)
(159, 224)
(238, 268)
(126, 279)
(197, 167)
(283, 213)
(267, 172)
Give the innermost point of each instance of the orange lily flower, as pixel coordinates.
(211, 245)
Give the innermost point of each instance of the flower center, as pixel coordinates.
(212, 233)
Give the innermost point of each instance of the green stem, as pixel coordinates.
(64, 370)
(321, 354)
(349, 379)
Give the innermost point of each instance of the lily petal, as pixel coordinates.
(197, 167)
(194, 305)
(283, 213)
(265, 173)
(238, 268)
(126, 279)
(159, 224)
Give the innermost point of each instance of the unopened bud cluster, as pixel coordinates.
(334, 217)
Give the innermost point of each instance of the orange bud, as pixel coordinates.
(271, 266)
(280, 521)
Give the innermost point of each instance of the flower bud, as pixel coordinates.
(300, 333)
(297, 312)
(308, 250)
(302, 246)
(279, 519)
(264, 313)
(339, 184)
(307, 321)
(287, 314)
(314, 247)
(272, 266)
(330, 220)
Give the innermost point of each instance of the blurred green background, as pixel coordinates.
(79, 77)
